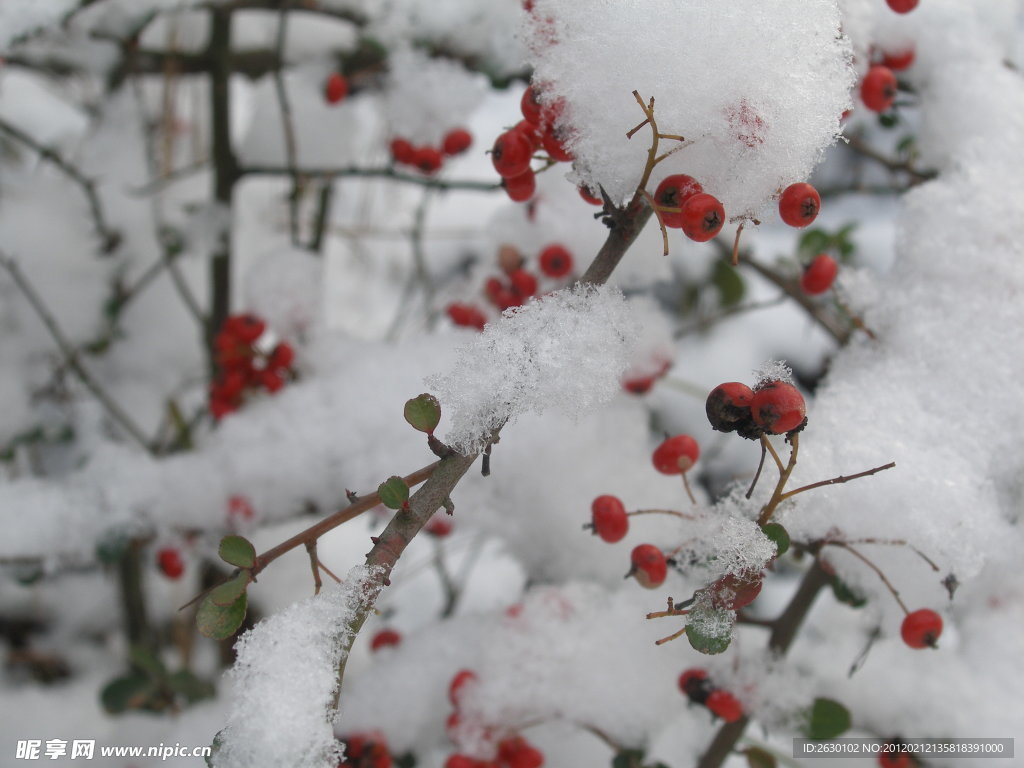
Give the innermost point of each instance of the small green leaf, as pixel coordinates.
(393, 492)
(237, 551)
(190, 687)
(729, 283)
(232, 589)
(814, 241)
(709, 630)
(628, 758)
(760, 758)
(219, 622)
(827, 719)
(779, 536)
(844, 594)
(889, 120)
(147, 662)
(405, 760)
(423, 413)
(128, 692)
(112, 548)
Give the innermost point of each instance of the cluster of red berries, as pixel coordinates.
(772, 407)
(513, 150)
(385, 638)
(366, 750)
(426, 158)
(170, 562)
(243, 367)
(517, 285)
(512, 751)
(335, 88)
(698, 688)
(819, 275)
(688, 207)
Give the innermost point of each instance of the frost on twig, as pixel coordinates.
(565, 351)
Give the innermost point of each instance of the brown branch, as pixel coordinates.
(839, 479)
(777, 494)
(109, 237)
(903, 166)
(71, 355)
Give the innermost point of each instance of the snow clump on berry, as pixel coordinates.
(565, 351)
(756, 122)
(772, 370)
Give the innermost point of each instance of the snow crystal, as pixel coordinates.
(285, 679)
(753, 122)
(773, 370)
(565, 351)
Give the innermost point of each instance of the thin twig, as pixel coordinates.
(863, 148)
(839, 479)
(873, 567)
(71, 354)
(313, 564)
(776, 499)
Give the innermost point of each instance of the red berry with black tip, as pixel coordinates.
(522, 187)
(649, 566)
(336, 88)
(511, 154)
(457, 141)
(428, 159)
(673, 192)
(902, 6)
(609, 518)
(878, 88)
(799, 204)
(819, 275)
(555, 261)
(171, 563)
(676, 455)
(696, 685)
(524, 284)
(385, 638)
(725, 705)
(702, 217)
(728, 405)
(921, 629)
(778, 407)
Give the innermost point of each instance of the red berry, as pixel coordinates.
(588, 197)
(648, 565)
(428, 159)
(467, 315)
(230, 386)
(457, 141)
(220, 408)
(517, 752)
(799, 204)
(440, 525)
(402, 151)
(555, 261)
(271, 381)
(524, 284)
(899, 60)
(609, 518)
(702, 217)
(673, 192)
(676, 455)
(902, 6)
(640, 385)
(240, 509)
(246, 328)
(553, 141)
(728, 405)
(461, 761)
(281, 356)
(531, 132)
(725, 705)
(695, 684)
(819, 274)
(735, 591)
(336, 88)
(878, 89)
(511, 154)
(778, 407)
(520, 188)
(366, 750)
(897, 758)
(170, 562)
(456, 689)
(921, 629)
(385, 638)
(530, 106)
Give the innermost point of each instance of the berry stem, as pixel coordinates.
(873, 567)
(776, 499)
(673, 636)
(736, 245)
(760, 466)
(661, 512)
(661, 222)
(689, 492)
(899, 543)
(313, 564)
(766, 444)
(836, 480)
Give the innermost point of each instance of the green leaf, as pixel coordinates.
(219, 622)
(709, 630)
(112, 548)
(393, 492)
(237, 551)
(231, 590)
(729, 283)
(128, 692)
(191, 687)
(147, 662)
(423, 413)
(814, 241)
(760, 758)
(628, 758)
(778, 535)
(405, 760)
(889, 120)
(844, 594)
(827, 719)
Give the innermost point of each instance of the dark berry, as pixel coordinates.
(728, 405)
